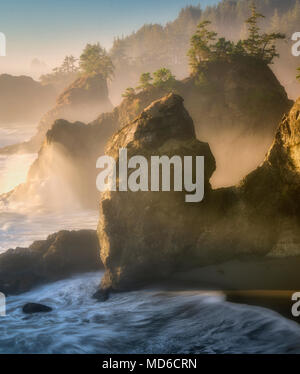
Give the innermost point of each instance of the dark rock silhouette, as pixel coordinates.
(59, 256)
(31, 308)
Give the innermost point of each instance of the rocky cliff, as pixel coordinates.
(235, 107)
(83, 100)
(273, 189)
(22, 99)
(148, 236)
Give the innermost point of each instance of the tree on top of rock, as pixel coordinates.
(163, 78)
(95, 60)
(145, 81)
(201, 44)
(129, 93)
(260, 45)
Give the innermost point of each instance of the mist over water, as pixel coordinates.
(24, 219)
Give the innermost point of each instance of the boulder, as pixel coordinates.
(31, 308)
(59, 256)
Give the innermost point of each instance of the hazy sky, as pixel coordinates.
(51, 29)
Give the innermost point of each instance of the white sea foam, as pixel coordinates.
(148, 321)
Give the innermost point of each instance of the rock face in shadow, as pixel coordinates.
(22, 99)
(83, 100)
(146, 235)
(59, 256)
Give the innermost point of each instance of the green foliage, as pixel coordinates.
(95, 60)
(260, 45)
(204, 46)
(298, 76)
(163, 78)
(201, 45)
(252, 44)
(145, 81)
(153, 46)
(129, 93)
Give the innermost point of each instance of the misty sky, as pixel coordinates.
(52, 29)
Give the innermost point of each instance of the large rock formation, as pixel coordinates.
(22, 99)
(235, 105)
(273, 189)
(146, 235)
(59, 256)
(83, 100)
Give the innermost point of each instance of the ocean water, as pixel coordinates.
(148, 321)
(21, 229)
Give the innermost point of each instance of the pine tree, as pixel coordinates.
(260, 45)
(145, 81)
(252, 44)
(201, 43)
(163, 78)
(95, 60)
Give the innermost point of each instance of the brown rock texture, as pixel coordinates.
(146, 235)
